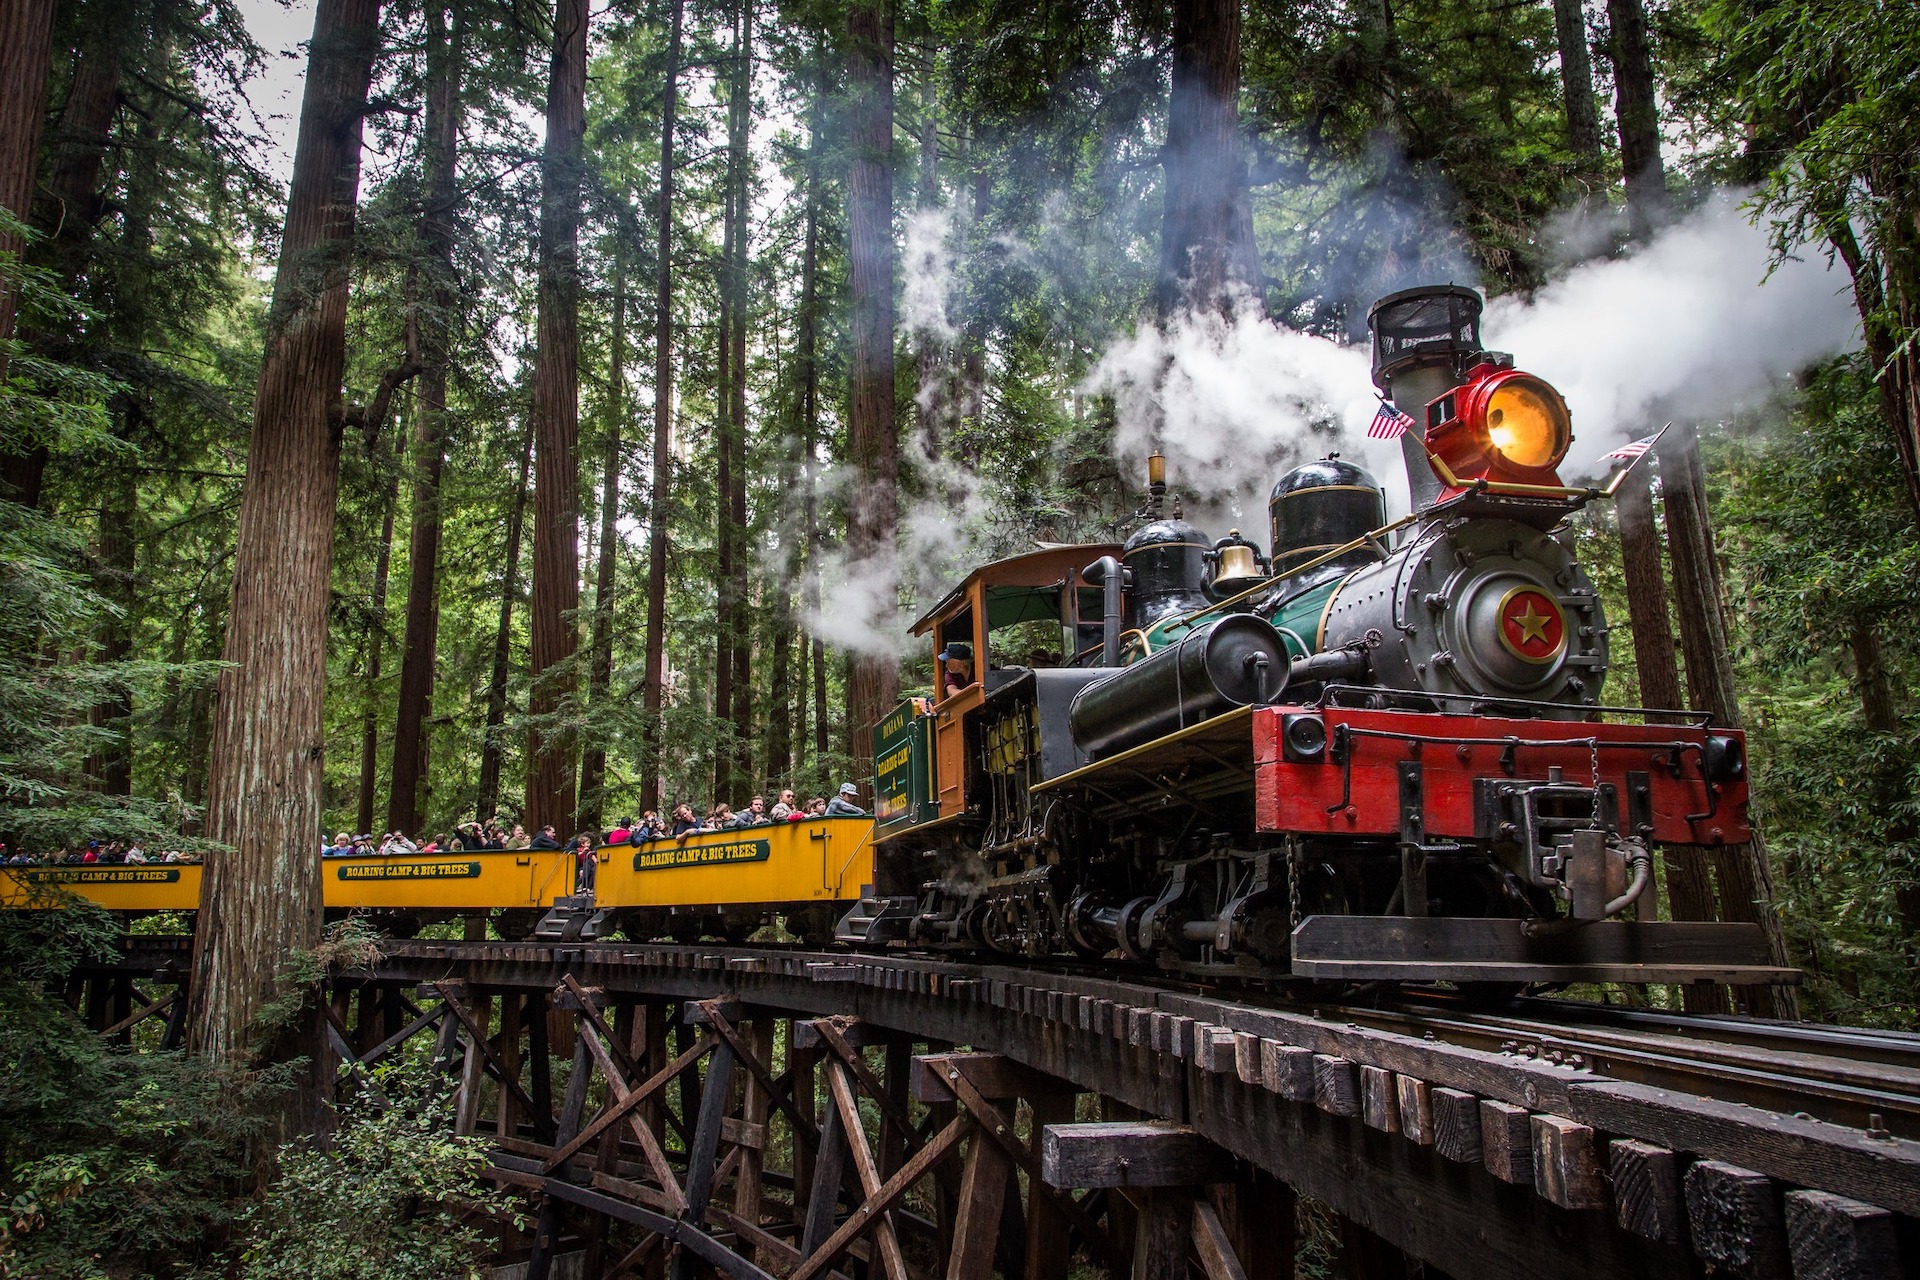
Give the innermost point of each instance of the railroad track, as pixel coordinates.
(1858, 1077)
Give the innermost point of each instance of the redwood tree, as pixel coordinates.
(261, 895)
(873, 436)
(26, 47)
(440, 143)
(1638, 112)
(556, 428)
(1206, 237)
(661, 506)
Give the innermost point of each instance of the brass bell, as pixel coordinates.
(1237, 565)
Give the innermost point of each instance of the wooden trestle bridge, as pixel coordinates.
(768, 1113)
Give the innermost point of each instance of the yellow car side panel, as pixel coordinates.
(425, 881)
(449, 881)
(819, 860)
(165, 886)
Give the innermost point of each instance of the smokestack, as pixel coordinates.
(1423, 340)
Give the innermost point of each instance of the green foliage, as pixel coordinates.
(394, 1196)
(1824, 553)
(110, 1163)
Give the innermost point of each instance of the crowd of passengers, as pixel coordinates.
(683, 821)
(112, 853)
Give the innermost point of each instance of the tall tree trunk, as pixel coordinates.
(1895, 362)
(873, 434)
(1689, 881)
(1202, 250)
(376, 646)
(113, 765)
(933, 397)
(1638, 113)
(1746, 880)
(556, 428)
(26, 51)
(1576, 85)
(809, 427)
(440, 141)
(489, 789)
(261, 896)
(740, 626)
(723, 504)
(1877, 706)
(661, 505)
(593, 758)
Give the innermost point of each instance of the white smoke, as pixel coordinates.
(926, 269)
(1691, 326)
(1235, 400)
(1695, 324)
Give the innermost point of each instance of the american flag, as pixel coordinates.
(1388, 423)
(1628, 452)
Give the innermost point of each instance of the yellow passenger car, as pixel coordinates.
(162, 886)
(401, 893)
(732, 882)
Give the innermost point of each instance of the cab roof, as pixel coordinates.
(1016, 589)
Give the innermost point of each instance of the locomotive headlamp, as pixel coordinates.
(1501, 424)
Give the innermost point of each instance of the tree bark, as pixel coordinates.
(1745, 879)
(261, 895)
(26, 51)
(740, 623)
(1576, 85)
(1896, 365)
(593, 758)
(1689, 882)
(661, 498)
(809, 341)
(440, 141)
(113, 764)
(556, 430)
(723, 758)
(489, 790)
(873, 433)
(1638, 114)
(1203, 250)
(375, 642)
(1877, 705)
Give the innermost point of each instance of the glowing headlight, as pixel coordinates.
(1500, 424)
(1527, 424)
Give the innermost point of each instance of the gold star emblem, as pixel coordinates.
(1533, 626)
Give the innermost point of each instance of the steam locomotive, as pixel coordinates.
(1375, 751)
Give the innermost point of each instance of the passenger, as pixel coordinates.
(956, 667)
(396, 845)
(92, 854)
(722, 817)
(587, 862)
(684, 823)
(545, 840)
(136, 856)
(622, 832)
(518, 838)
(650, 827)
(784, 808)
(843, 806)
(756, 814)
(341, 847)
(817, 807)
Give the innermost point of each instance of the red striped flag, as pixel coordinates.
(1388, 423)
(1628, 452)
